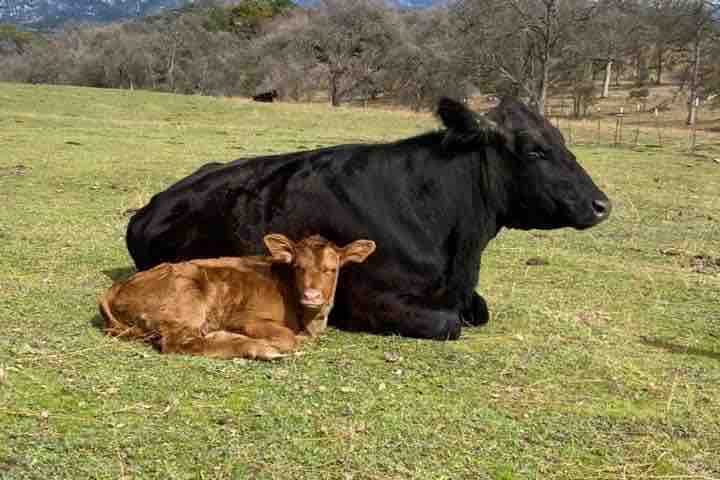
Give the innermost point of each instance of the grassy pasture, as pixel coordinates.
(604, 362)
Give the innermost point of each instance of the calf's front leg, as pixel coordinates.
(224, 344)
(219, 344)
(277, 335)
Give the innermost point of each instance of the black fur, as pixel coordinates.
(267, 97)
(431, 203)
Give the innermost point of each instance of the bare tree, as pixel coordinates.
(523, 42)
(347, 40)
(350, 40)
(614, 32)
(701, 22)
(426, 63)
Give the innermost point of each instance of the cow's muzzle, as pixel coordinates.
(601, 209)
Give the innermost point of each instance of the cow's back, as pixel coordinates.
(188, 220)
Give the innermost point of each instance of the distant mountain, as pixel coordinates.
(395, 3)
(50, 13)
(415, 3)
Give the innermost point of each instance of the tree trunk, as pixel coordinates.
(171, 69)
(608, 76)
(660, 58)
(576, 105)
(334, 93)
(542, 90)
(150, 74)
(692, 94)
(545, 55)
(643, 73)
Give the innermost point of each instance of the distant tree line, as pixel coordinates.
(362, 50)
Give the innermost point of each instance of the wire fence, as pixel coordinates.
(621, 131)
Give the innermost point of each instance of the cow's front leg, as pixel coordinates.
(409, 317)
(425, 322)
(476, 313)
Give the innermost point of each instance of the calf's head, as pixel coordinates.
(316, 264)
(543, 185)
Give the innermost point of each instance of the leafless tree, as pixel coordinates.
(342, 45)
(700, 19)
(522, 42)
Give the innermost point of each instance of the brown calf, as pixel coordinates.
(252, 307)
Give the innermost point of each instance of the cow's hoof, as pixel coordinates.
(454, 331)
(477, 314)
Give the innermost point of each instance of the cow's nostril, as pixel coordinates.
(601, 208)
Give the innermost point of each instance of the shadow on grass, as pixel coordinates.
(676, 348)
(119, 274)
(98, 322)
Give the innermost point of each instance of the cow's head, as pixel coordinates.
(316, 264)
(544, 185)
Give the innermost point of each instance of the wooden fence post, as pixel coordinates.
(693, 127)
(618, 127)
(657, 126)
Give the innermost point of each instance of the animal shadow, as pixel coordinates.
(98, 322)
(118, 274)
(683, 349)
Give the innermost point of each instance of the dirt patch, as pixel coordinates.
(697, 262)
(537, 262)
(8, 463)
(705, 264)
(596, 320)
(15, 171)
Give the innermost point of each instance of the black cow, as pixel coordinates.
(431, 203)
(267, 97)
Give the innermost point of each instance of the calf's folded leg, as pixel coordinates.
(224, 344)
(279, 336)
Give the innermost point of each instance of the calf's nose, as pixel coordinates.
(312, 295)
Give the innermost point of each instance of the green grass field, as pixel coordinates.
(602, 363)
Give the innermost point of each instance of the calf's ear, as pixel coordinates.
(281, 248)
(357, 251)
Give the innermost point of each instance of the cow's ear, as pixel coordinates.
(357, 251)
(466, 128)
(281, 248)
(456, 116)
